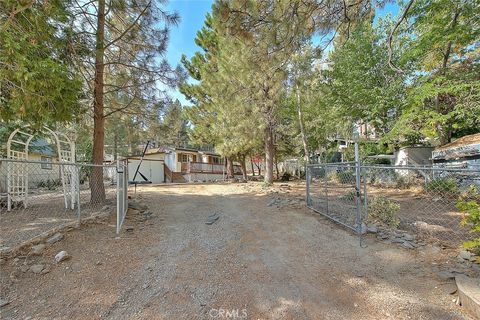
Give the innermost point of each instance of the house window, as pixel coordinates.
(46, 163)
(216, 160)
(184, 158)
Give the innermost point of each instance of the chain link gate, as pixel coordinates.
(122, 193)
(335, 191)
(425, 201)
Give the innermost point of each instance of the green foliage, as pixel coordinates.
(345, 176)
(350, 195)
(448, 186)
(37, 82)
(49, 184)
(443, 52)
(384, 210)
(471, 209)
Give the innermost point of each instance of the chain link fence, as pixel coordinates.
(420, 200)
(37, 197)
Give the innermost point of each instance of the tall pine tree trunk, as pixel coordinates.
(244, 167)
(253, 168)
(229, 168)
(269, 154)
(302, 128)
(97, 188)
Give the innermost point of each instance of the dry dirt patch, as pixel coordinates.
(274, 262)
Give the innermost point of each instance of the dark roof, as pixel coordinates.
(463, 141)
(463, 148)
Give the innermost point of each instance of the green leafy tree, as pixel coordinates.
(443, 98)
(38, 84)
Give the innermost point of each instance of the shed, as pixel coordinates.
(152, 167)
(414, 156)
(463, 153)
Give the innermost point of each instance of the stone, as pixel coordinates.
(46, 270)
(397, 240)
(61, 256)
(2, 261)
(446, 275)
(24, 268)
(407, 245)
(372, 229)
(272, 202)
(465, 255)
(3, 302)
(129, 228)
(469, 294)
(37, 268)
(55, 238)
(212, 219)
(408, 237)
(106, 208)
(38, 249)
(137, 206)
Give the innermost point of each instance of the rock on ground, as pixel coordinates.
(37, 268)
(38, 249)
(61, 256)
(55, 238)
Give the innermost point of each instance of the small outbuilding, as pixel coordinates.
(414, 156)
(461, 153)
(152, 166)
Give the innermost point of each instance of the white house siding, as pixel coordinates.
(171, 160)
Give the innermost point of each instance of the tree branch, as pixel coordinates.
(130, 26)
(392, 33)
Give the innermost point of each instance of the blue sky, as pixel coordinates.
(192, 14)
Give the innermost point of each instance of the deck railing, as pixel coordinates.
(201, 167)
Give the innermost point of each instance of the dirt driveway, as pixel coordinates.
(257, 261)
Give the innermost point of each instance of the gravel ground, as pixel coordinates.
(258, 260)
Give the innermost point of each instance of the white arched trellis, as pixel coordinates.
(17, 172)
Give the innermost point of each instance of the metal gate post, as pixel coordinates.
(358, 218)
(119, 201)
(77, 187)
(307, 176)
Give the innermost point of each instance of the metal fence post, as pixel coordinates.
(79, 211)
(119, 201)
(307, 176)
(325, 180)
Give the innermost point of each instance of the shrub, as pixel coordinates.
(349, 196)
(442, 185)
(346, 176)
(384, 210)
(402, 182)
(49, 184)
(469, 205)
